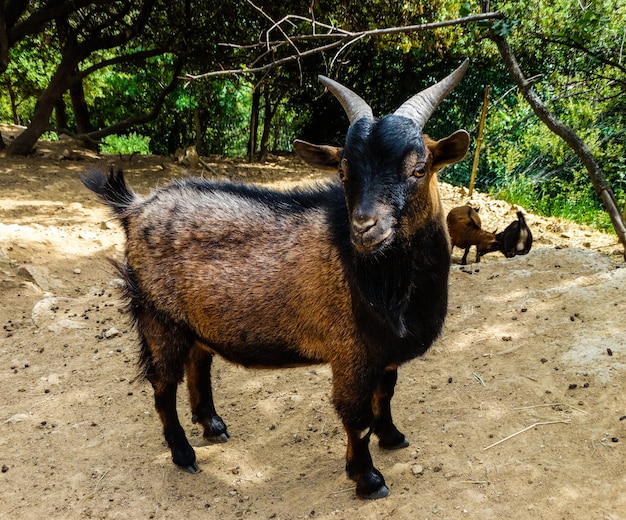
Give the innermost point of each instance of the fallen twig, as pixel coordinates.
(540, 423)
(478, 378)
(550, 404)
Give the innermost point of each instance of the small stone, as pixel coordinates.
(111, 333)
(417, 470)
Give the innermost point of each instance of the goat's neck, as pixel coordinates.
(388, 283)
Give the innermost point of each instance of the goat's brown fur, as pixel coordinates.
(351, 273)
(465, 230)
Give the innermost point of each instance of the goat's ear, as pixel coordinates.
(450, 149)
(321, 156)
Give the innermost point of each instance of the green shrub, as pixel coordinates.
(126, 144)
(555, 198)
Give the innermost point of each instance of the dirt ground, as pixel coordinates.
(516, 412)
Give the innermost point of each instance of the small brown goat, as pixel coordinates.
(516, 239)
(353, 273)
(466, 231)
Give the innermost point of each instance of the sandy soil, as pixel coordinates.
(533, 355)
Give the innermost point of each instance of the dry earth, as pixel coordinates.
(533, 346)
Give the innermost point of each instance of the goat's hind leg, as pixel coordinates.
(163, 351)
(198, 371)
(389, 437)
(464, 259)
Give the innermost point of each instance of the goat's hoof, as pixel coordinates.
(218, 439)
(192, 468)
(371, 485)
(184, 456)
(381, 492)
(404, 443)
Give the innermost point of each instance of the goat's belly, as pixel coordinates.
(261, 355)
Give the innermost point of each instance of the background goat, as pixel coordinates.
(353, 273)
(466, 231)
(516, 239)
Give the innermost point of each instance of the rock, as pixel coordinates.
(45, 314)
(5, 261)
(18, 417)
(39, 275)
(108, 225)
(111, 333)
(417, 470)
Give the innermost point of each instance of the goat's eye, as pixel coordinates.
(419, 170)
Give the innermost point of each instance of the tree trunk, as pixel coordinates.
(197, 126)
(567, 134)
(267, 125)
(60, 113)
(79, 105)
(40, 121)
(16, 120)
(4, 41)
(254, 122)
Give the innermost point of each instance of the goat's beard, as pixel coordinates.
(384, 283)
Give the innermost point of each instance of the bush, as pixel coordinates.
(126, 144)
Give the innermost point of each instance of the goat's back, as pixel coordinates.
(463, 224)
(241, 264)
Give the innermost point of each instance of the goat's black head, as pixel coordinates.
(388, 166)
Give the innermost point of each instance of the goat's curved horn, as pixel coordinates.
(354, 105)
(421, 106)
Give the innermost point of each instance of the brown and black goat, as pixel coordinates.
(353, 273)
(466, 230)
(516, 239)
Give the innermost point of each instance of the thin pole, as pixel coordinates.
(479, 140)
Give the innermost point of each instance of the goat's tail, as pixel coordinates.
(111, 188)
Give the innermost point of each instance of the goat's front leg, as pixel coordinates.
(198, 372)
(352, 397)
(389, 437)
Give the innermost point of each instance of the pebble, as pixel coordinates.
(111, 333)
(417, 470)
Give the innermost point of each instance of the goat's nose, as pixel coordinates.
(361, 223)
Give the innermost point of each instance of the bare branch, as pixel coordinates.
(341, 38)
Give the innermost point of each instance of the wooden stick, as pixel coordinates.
(540, 423)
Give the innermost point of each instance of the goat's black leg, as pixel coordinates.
(198, 370)
(389, 436)
(352, 397)
(464, 259)
(183, 454)
(164, 347)
(370, 482)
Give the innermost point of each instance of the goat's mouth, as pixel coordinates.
(372, 241)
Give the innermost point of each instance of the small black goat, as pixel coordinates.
(466, 231)
(516, 239)
(353, 273)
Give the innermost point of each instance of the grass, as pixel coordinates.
(569, 202)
